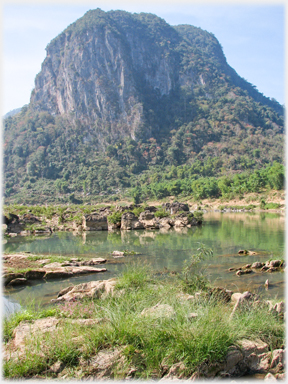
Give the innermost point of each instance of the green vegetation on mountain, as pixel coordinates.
(153, 110)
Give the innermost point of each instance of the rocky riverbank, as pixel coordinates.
(22, 269)
(137, 327)
(129, 217)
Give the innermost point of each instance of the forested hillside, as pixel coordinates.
(126, 104)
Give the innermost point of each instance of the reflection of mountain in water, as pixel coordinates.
(9, 307)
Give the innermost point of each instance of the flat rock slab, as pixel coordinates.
(70, 271)
(256, 346)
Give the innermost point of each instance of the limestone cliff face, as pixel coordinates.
(131, 75)
(97, 74)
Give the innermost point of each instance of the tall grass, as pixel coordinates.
(148, 343)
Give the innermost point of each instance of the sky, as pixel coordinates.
(252, 37)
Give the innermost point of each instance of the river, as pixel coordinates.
(225, 233)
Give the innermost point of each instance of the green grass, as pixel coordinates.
(148, 343)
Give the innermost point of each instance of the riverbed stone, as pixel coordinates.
(7, 277)
(86, 269)
(103, 363)
(278, 356)
(279, 307)
(234, 356)
(25, 329)
(275, 263)
(243, 272)
(17, 281)
(35, 274)
(92, 289)
(252, 346)
(243, 300)
(58, 273)
(257, 265)
(118, 253)
(270, 376)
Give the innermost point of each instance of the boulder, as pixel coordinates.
(175, 207)
(35, 274)
(130, 221)
(105, 361)
(252, 346)
(166, 222)
(269, 376)
(58, 273)
(95, 222)
(146, 215)
(278, 356)
(246, 298)
(243, 252)
(118, 253)
(26, 329)
(11, 276)
(86, 269)
(243, 272)
(28, 218)
(150, 224)
(257, 265)
(93, 289)
(17, 281)
(12, 219)
(234, 357)
(279, 307)
(275, 263)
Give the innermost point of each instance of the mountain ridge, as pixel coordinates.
(121, 95)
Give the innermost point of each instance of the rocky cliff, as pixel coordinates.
(95, 72)
(106, 68)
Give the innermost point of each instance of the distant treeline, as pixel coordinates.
(271, 177)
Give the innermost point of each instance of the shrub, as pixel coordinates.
(161, 213)
(115, 217)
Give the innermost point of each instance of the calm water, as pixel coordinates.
(224, 233)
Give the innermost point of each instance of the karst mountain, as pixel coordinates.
(123, 99)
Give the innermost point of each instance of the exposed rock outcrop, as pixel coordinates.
(93, 289)
(95, 222)
(130, 221)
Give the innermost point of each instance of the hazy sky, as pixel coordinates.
(252, 37)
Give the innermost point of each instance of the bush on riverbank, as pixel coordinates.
(149, 344)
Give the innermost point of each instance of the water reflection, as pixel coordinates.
(169, 248)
